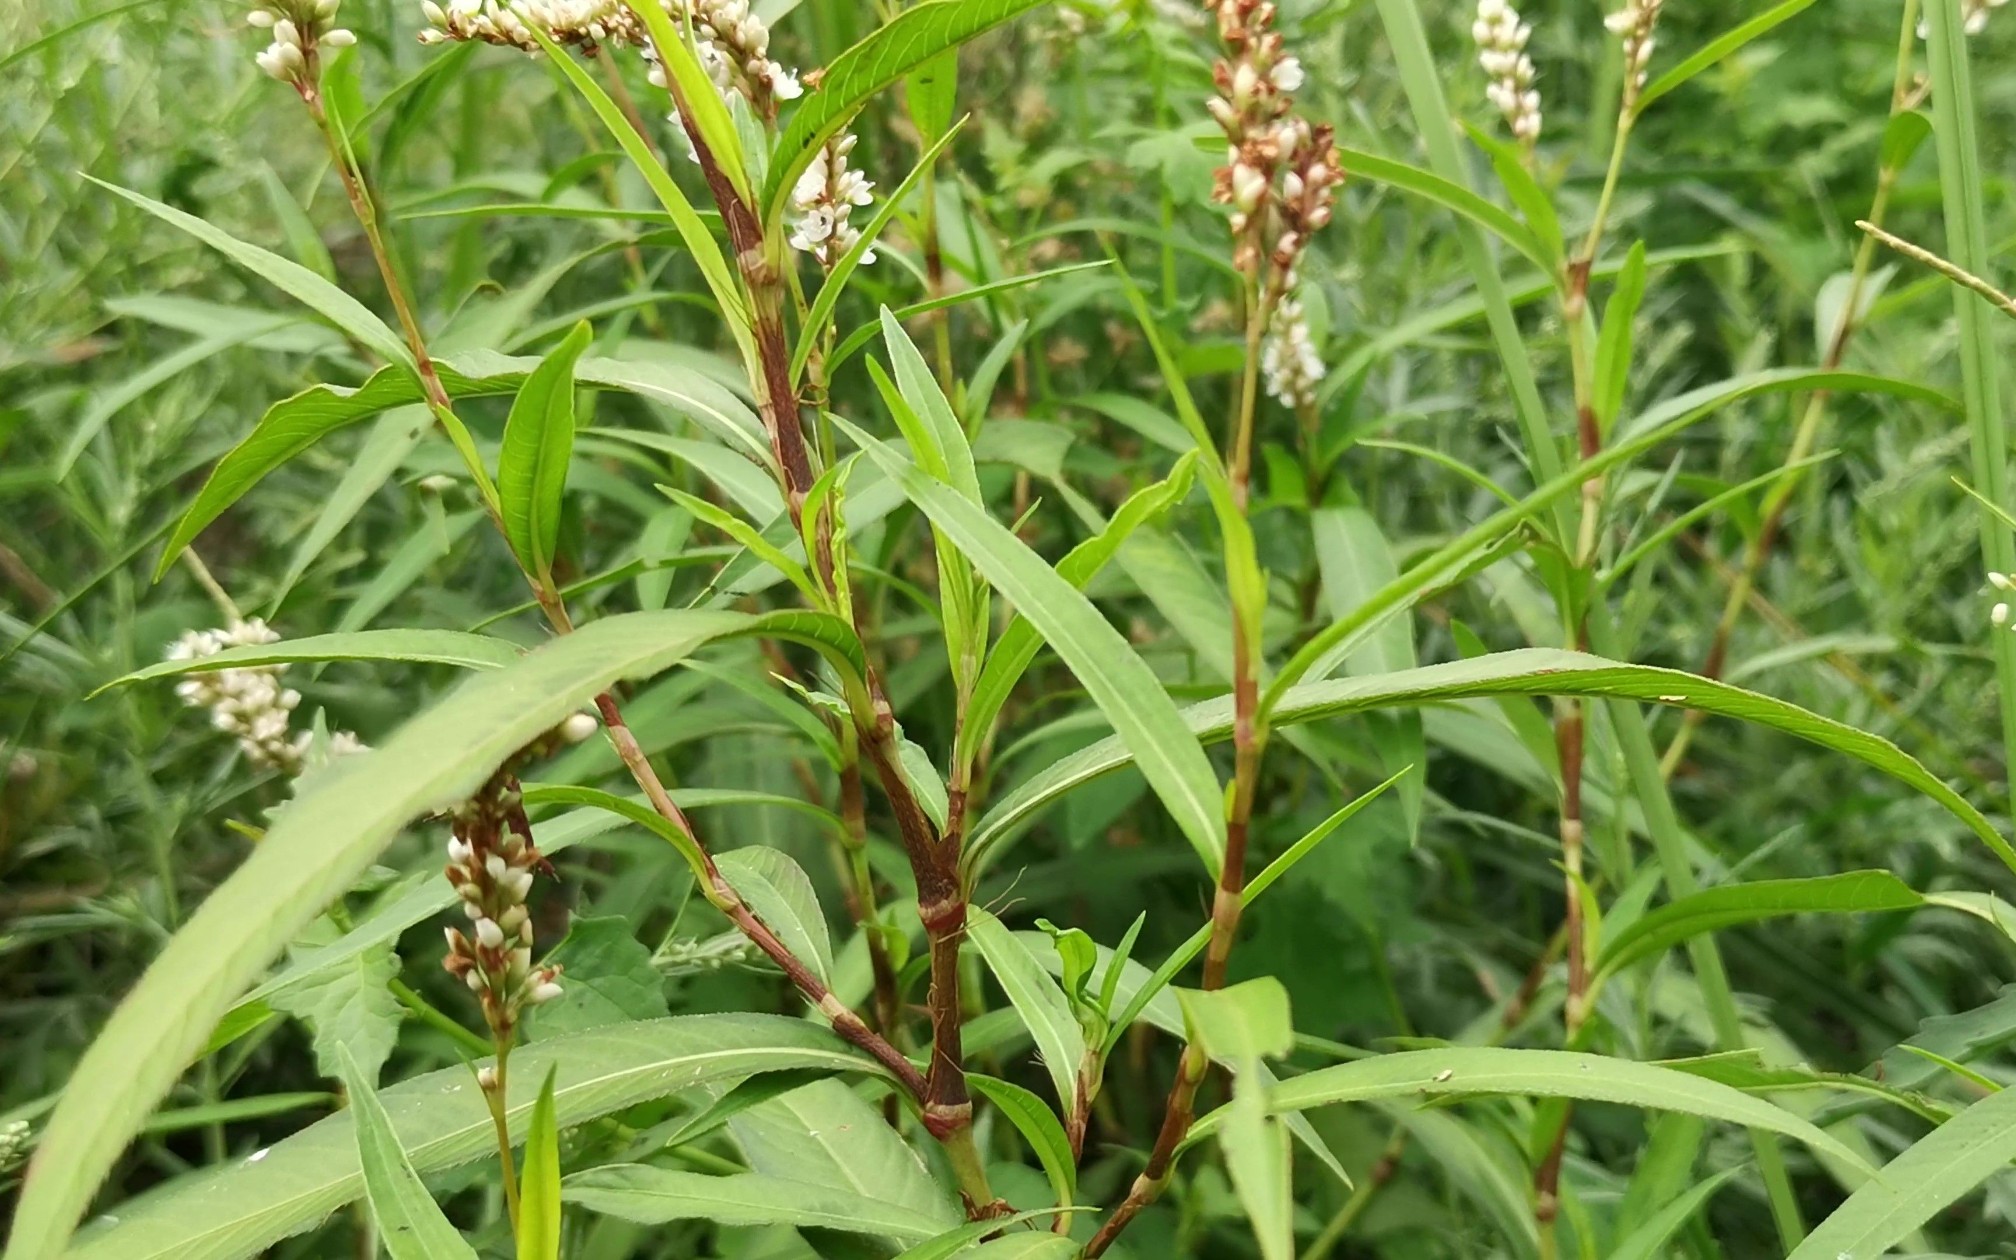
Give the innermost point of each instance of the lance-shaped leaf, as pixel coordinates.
(1713, 909)
(1036, 998)
(410, 1223)
(532, 463)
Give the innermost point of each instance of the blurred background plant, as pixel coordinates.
(130, 360)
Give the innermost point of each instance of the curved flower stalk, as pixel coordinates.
(1501, 50)
(822, 201)
(249, 702)
(1633, 24)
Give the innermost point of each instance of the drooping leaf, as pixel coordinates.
(1452, 197)
(436, 647)
(294, 424)
(239, 1209)
(299, 283)
(410, 1223)
(1718, 48)
(532, 463)
(539, 1183)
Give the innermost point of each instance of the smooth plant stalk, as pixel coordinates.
(494, 1098)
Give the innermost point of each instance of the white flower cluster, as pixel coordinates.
(1501, 49)
(588, 23)
(249, 702)
(735, 49)
(1288, 359)
(1633, 25)
(490, 863)
(1973, 17)
(298, 27)
(1998, 616)
(824, 198)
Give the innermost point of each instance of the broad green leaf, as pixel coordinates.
(826, 1134)
(692, 229)
(1648, 1239)
(1901, 137)
(294, 424)
(658, 1196)
(909, 42)
(318, 847)
(1718, 48)
(1037, 999)
(1248, 1021)
(608, 979)
(1712, 909)
(1038, 1126)
(1244, 1024)
(299, 283)
(932, 92)
(532, 463)
(410, 1223)
(1120, 683)
(1526, 671)
(539, 1183)
(1465, 1071)
(239, 1209)
(1450, 196)
(781, 894)
(1931, 1174)
(1613, 342)
(434, 647)
(351, 1012)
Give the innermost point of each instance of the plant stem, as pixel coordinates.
(429, 1014)
(495, 1095)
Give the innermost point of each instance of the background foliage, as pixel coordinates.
(131, 360)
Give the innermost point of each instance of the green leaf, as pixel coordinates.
(294, 424)
(532, 463)
(318, 847)
(1019, 642)
(239, 1209)
(932, 92)
(351, 1011)
(750, 1093)
(299, 283)
(1901, 137)
(410, 1223)
(1120, 683)
(1525, 191)
(1039, 1127)
(1453, 197)
(1712, 909)
(781, 894)
(609, 979)
(539, 1185)
(1527, 671)
(1248, 1021)
(380, 455)
(1037, 999)
(1466, 1071)
(434, 647)
(826, 1134)
(945, 454)
(1025, 1246)
(958, 1241)
(1648, 1240)
(747, 535)
(1718, 48)
(1613, 343)
(1929, 1176)
(907, 43)
(658, 1196)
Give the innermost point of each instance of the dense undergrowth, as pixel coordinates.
(1547, 554)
